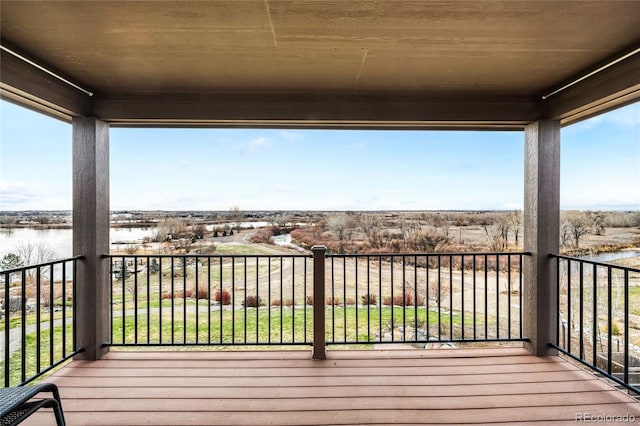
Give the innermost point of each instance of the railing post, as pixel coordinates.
(319, 345)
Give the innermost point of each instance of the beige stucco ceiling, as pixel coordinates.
(417, 49)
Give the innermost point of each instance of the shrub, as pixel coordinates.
(253, 301)
(335, 301)
(403, 299)
(287, 302)
(615, 328)
(407, 299)
(180, 294)
(263, 236)
(351, 301)
(369, 299)
(15, 304)
(177, 295)
(203, 293)
(309, 300)
(276, 302)
(223, 297)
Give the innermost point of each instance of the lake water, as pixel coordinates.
(608, 257)
(61, 239)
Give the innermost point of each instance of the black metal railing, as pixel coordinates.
(210, 300)
(596, 303)
(421, 298)
(38, 319)
(159, 300)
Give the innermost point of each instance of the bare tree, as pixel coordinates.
(131, 249)
(514, 219)
(235, 214)
(565, 234)
(319, 227)
(369, 223)
(337, 224)
(340, 224)
(171, 228)
(498, 233)
(443, 221)
(34, 253)
(580, 225)
(597, 221)
(199, 230)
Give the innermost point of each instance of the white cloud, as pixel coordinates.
(257, 143)
(291, 136)
(587, 124)
(629, 116)
(18, 195)
(359, 146)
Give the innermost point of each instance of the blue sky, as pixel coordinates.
(213, 169)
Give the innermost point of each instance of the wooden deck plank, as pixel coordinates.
(344, 403)
(348, 417)
(331, 354)
(229, 392)
(311, 363)
(223, 371)
(473, 386)
(556, 376)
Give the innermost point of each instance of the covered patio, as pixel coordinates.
(527, 66)
(440, 386)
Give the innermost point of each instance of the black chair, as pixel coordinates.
(17, 403)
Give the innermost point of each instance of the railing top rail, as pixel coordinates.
(595, 262)
(205, 256)
(454, 254)
(48, 263)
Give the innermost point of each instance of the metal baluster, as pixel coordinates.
(64, 310)
(569, 306)
(474, 297)
(173, 322)
(209, 300)
(626, 326)
(38, 331)
(595, 329)
(148, 301)
(7, 340)
(581, 302)
(462, 295)
(135, 299)
(355, 261)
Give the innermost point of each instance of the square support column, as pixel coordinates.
(541, 234)
(91, 234)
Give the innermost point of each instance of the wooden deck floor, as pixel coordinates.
(446, 386)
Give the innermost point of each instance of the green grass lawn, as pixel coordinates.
(15, 319)
(261, 326)
(47, 355)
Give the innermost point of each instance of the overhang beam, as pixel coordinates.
(330, 111)
(611, 88)
(26, 85)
